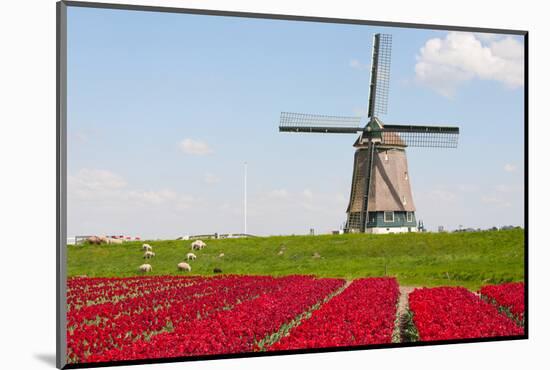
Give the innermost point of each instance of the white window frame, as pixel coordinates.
(392, 216)
(409, 217)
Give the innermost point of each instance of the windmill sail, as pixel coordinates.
(301, 122)
(421, 136)
(380, 75)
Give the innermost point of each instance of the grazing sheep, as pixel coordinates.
(94, 240)
(316, 255)
(103, 240)
(198, 244)
(149, 254)
(221, 255)
(147, 247)
(217, 270)
(114, 241)
(280, 253)
(190, 256)
(145, 268)
(183, 266)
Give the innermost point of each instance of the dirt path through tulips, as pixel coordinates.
(404, 299)
(402, 307)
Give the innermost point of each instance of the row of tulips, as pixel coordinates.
(234, 331)
(152, 298)
(83, 292)
(364, 313)
(510, 296)
(99, 328)
(455, 313)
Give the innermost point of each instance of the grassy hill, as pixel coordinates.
(427, 259)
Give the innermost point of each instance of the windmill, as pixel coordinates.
(380, 198)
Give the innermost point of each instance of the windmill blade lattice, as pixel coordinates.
(420, 136)
(383, 74)
(302, 122)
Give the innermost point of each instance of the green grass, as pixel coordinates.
(424, 259)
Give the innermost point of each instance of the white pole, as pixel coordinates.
(245, 170)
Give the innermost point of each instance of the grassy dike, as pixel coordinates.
(426, 259)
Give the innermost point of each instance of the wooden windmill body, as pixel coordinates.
(390, 199)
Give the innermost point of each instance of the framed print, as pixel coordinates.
(237, 184)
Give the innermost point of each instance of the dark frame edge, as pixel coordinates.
(87, 365)
(61, 191)
(227, 13)
(526, 180)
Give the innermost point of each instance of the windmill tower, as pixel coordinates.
(381, 198)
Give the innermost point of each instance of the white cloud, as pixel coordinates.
(487, 37)
(468, 188)
(443, 195)
(278, 193)
(356, 64)
(195, 147)
(509, 167)
(211, 179)
(88, 182)
(503, 196)
(100, 202)
(510, 49)
(445, 64)
(104, 188)
(289, 211)
(159, 197)
(501, 188)
(494, 200)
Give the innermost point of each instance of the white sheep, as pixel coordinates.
(94, 240)
(145, 268)
(198, 244)
(221, 255)
(114, 241)
(147, 247)
(183, 266)
(149, 254)
(191, 256)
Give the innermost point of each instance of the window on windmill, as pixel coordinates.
(404, 200)
(388, 216)
(386, 155)
(409, 216)
(406, 175)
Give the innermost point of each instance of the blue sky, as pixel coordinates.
(164, 109)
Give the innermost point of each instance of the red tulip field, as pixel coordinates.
(508, 296)
(111, 319)
(456, 313)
